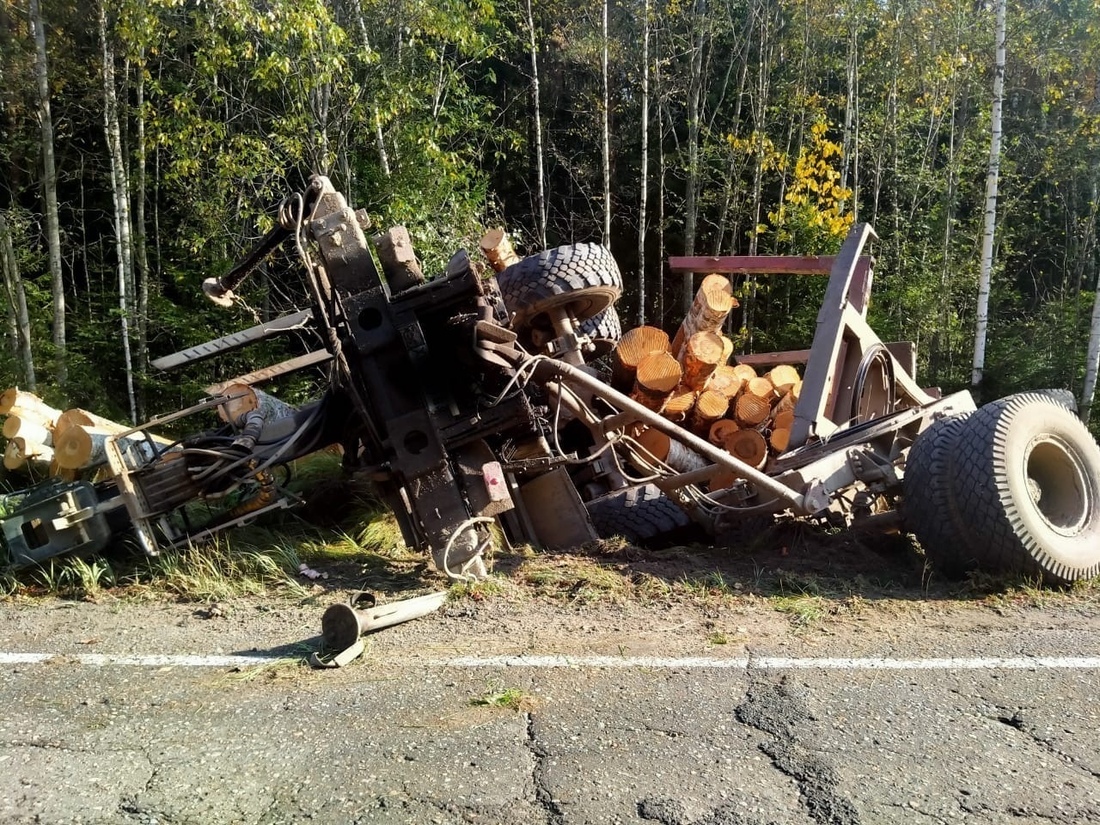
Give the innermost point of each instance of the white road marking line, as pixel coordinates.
(781, 663)
(136, 660)
(596, 662)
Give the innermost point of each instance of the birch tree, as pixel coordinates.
(49, 191)
(644, 164)
(606, 131)
(120, 190)
(991, 181)
(19, 317)
(694, 116)
(540, 170)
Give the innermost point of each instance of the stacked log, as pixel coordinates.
(679, 404)
(29, 427)
(661, 447)
(657, 377)
(689, 380)
(713, 302)
(635, 345)
(700, 357)
(67, 441)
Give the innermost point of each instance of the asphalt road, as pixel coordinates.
(626, 716)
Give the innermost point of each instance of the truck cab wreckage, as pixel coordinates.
(476, 407)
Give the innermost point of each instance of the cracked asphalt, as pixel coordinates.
(399, 738)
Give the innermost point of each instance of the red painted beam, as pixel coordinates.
(754, 264)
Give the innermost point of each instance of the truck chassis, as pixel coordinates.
(472, 402)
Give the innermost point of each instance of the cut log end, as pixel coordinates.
(751, 410)
(497, 248)
(748, 446)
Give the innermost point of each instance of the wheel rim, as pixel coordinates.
(1059, 485)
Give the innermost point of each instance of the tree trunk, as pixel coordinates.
(17, 298)
(606, 111)
(662, 170)
(49, 190)
(849, 142)
(691, 208)
(121, 195)
(141, 248)
(644, 165)
(540, 173)
(990, 202)
(1092, 359)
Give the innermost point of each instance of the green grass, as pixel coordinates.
(507, 698)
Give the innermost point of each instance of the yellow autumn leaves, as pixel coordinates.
(814, 209)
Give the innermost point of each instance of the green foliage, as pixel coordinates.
(811, 114)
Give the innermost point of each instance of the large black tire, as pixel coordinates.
(636, 513)
(1027, 476)
(930, 506)
(584, 277)
(604, 329)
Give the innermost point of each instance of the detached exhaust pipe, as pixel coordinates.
(343, 624)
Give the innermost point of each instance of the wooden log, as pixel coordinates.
(783, 377)
(748, 446)
(398, 258)
(32, 450)
(700, 357)
(243, 399)
(790, 400)
(80, 447)
(13, 457)
(745, 372)
(670, 451)
(762, 388)
(679, 404)
(655, 442)
(751, 410)
(657, 377)
(720, 430)
(783, 419)
(82, 418)
(635, 345)
(30, 427)
(779, 439)
(727, 349)
(713, 302)
(722, 479)
(497, 248)
(709, 407)
(15, 401)
(725, 380)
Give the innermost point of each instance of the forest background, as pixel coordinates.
(146, 145)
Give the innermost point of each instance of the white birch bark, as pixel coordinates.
(691, 209)
(120, 190)
(662, 173)
(606, 129)
(991, 182)
(19, 316)
(644, 183)
(49, 191)
(540, 167)
(1088, 393)
(1092, 359)
(141, 248)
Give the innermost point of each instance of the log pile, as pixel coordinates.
(729, 404)
(63, 441)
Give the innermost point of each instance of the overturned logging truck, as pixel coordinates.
(472, 401)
